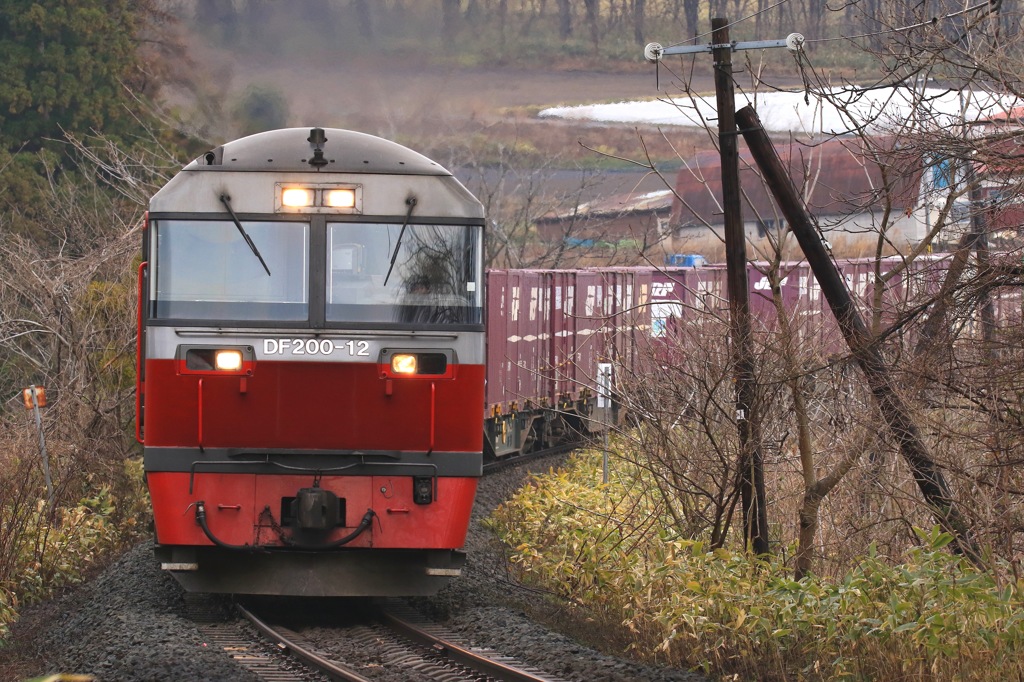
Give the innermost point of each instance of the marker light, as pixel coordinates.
(317, 197)
(340, 198)
(296, 197)
(403, 363)
(228, 360)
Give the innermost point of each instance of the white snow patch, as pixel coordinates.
(837, 111)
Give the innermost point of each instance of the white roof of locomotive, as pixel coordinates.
(247, 170)
(290, 149)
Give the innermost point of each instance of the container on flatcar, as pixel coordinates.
(555, 340)
(518, 348)
(560, 341)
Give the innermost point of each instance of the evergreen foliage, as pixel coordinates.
(261, 109)
(66, 67)
(77, 74)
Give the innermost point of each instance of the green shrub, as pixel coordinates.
(727, 613)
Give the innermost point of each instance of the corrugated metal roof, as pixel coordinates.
(622, 204)
(835, 177)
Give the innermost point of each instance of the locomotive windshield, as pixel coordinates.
(205, 270)
(434, 279)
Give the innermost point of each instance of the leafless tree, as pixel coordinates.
(679, 396)
(67, 312)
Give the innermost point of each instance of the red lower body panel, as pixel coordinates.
(311, 406)
(246, 509)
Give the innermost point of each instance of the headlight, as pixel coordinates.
(295, 197)
(340, 198)
(228, 360)
(410, 363)
(403, 363)
(318, 197)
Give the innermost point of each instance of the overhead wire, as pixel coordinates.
(986, 5)
(733, 23)
(909, 27)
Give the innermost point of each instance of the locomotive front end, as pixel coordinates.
(311, 368)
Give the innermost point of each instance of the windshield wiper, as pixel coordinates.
(226, 200)
(411, 203)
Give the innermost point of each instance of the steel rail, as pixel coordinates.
(458, 654)
(496, 465)
(329, 668)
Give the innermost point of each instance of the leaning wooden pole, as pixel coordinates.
(894, 411)
(751, 460)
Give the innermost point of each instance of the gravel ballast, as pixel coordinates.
(130, 623)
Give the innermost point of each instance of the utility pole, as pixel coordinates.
(748, 413)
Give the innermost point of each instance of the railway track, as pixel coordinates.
(268, 660)
(135, 623)
(494, 466)
(404, 645)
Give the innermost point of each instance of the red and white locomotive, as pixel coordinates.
(311, 367)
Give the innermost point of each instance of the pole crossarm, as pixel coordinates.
(654, 52)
